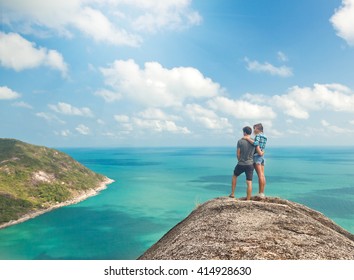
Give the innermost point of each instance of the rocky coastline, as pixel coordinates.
(82, 196)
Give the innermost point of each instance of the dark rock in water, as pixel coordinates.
(270, 229)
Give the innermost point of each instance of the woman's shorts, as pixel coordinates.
(248, 169)
(257, 159)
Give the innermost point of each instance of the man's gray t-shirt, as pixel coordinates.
(246, 151)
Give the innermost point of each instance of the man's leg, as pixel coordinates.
(233, 186)
(249, 189)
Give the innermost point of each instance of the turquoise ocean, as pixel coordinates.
(155, 188)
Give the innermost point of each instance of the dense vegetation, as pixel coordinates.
(34, 178)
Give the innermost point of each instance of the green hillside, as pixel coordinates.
(34, 178)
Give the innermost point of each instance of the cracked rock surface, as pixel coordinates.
(269, 229)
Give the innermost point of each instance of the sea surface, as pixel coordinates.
(155, 188)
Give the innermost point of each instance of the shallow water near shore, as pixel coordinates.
(155, 188)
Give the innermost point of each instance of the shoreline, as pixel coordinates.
(75, 200)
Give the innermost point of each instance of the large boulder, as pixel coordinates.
(271, 228)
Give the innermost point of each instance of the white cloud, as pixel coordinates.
(157, 114)
(256, 98)
(155, 86)
(114, 22)
(46, 116)
(325, 123)
(56, 61)
(40, 13)
(269, 129)
(83, 129)
(168, 14)
(17, 53)
(333, 128)
(100, 122)
(343, 21)
(290, 106)
(65, 16)
(22, 104)
(241, 109)
(97, 25)
(108, 95)
(282, 57)
(151, 120)
(63, 133)
(49, 117)
(122, 118)
(207, 118)
(159, 126)
(299, 102)
(255, 66)
(67, 109)
(7, 93)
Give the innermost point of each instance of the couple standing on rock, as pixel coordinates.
(250, 155)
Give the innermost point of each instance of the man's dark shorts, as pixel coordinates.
(248, 169)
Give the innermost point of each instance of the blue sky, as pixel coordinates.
(176, 72)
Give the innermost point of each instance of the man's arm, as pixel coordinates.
(259, 151)
(255, 143)
(249, 139)
(256, 140)
(238, 154)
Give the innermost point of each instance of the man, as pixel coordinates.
(245, 152)
(259, 143)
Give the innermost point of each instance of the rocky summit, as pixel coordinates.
(260, 229)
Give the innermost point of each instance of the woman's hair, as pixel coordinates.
(259, 126)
